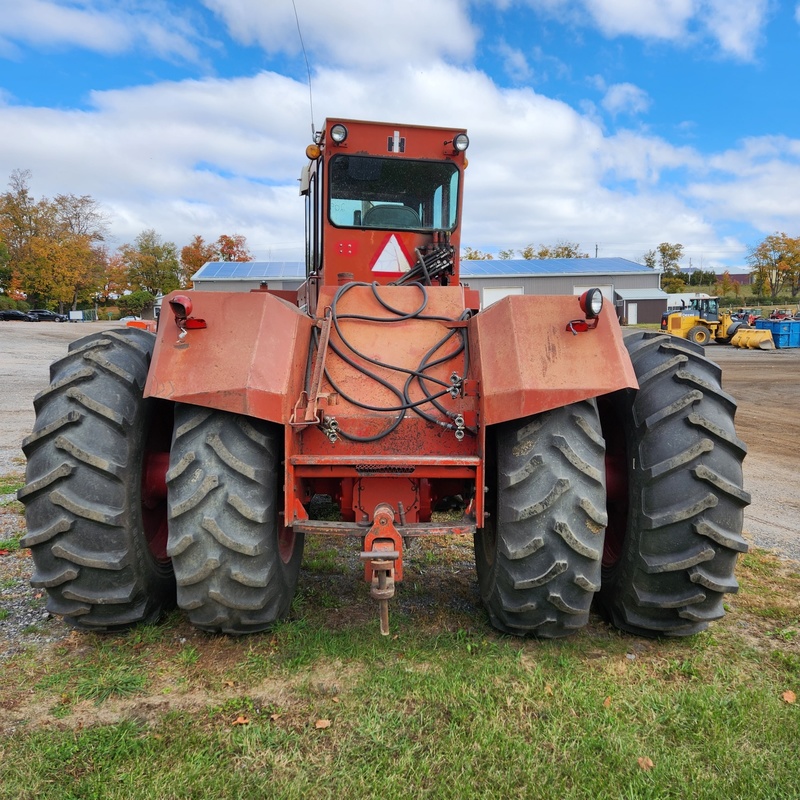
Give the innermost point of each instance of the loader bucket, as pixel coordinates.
(753, 338)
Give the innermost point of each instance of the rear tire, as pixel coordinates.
(674, 536)
(98, 549)
(699, 335)
(236, 565)
(538, 556)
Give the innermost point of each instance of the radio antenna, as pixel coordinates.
(308, 69)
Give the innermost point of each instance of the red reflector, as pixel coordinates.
(195, 323)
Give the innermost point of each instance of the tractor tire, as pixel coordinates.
(676, 504)
(538, 556)
(97, 536)
(235, 564)
(699, 335)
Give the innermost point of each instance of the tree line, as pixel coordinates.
(54, 254)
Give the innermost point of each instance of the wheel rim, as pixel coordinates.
(616, 462)
(286, 540)
(155, 464)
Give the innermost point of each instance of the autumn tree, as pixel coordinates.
(470, 254)
(194, 255)
(115, 280)
(666, 257)
(151, 263)
(725, 284)
(233, 248)
(559, 250)
(54, 246)
(18, 215)
(5, 269)
(775, 264)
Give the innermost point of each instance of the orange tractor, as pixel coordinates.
(181, 466)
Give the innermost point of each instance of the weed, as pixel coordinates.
(11, 544)
(188, 656)
(118, 681)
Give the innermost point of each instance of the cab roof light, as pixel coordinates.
(460, 143)
(338, 133)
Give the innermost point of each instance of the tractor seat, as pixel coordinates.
(391, 217)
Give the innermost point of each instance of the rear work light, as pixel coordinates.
(591, 304)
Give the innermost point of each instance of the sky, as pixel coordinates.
(613, 124)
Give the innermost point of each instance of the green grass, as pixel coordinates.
(12, 544)
(10, 484)
(442, 708)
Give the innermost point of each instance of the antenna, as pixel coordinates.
(308, 69)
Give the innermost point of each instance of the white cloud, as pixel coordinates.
(756, 181)
(661, 19)
(103, 26)
(515, 64)
(736, 24)
(356, 32)
(625, 98)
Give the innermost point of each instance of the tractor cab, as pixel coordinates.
(383, 205)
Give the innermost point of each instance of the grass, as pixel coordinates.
(10, 484)
(324, 706)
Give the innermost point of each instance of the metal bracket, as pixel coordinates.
(310, 401)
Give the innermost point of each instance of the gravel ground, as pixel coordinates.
(766, 386)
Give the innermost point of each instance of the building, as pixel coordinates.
(631, 287)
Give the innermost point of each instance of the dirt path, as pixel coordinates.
(766, 385)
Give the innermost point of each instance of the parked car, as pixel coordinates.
(129, 319)
(43, 315)
(10, 314)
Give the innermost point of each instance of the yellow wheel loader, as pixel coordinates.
(702, 322)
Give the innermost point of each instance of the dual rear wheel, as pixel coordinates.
(110, 545)
(635, 502)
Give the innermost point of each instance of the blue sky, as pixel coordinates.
(617, 124)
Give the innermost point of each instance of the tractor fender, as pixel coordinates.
(527, 360)
(243, 352)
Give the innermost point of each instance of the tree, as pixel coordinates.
(233, 248)
(5, 269)
(672, 283)
(54, 253)
(560, 250)
(194, 255)
(152, 264)
(18, 214)
(471, 254)
(134, 303)
(725, 284)
(701, 277)
(665, 257)
(775, 264)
